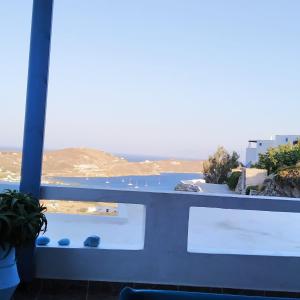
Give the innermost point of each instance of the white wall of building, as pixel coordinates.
(262, 146)
(285, 139)
(251, 155)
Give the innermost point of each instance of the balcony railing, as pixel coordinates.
(165, 258)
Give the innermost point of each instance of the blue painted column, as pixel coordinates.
(36, 100)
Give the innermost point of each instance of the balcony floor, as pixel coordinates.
(88, 290)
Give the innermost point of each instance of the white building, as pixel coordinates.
(256, 147)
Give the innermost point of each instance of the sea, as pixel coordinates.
(163, 182)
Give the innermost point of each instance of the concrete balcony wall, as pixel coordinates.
(222, 241)
(219, 253)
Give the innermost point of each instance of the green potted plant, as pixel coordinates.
(21, 221)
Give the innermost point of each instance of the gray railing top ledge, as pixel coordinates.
(184, 199)
(202, 194)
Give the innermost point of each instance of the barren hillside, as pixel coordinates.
(82, 162)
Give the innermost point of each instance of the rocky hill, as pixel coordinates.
(83, 162)
(286, 183)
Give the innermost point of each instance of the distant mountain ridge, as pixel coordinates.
(86, 162)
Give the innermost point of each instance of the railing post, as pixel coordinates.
(166, 234)
(36, 99)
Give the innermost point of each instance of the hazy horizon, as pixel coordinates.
(128, 156)
(160, 78)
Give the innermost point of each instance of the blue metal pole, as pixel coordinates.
(36, 99)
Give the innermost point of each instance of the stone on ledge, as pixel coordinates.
(92, 241)
(42, 241)
(64, 242)
(187, 187)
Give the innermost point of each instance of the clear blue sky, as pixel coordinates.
(160, 77)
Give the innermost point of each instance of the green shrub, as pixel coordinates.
(21, 219)
(233, 179)
(279, 157)
(218, 166)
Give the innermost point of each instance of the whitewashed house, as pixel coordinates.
(256, 147)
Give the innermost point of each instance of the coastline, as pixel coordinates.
(82, 162)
